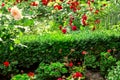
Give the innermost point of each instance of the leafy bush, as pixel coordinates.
(20, 77)
(49, 71)
(113, 74)
(54, 47)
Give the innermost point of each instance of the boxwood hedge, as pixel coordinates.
(54, 47)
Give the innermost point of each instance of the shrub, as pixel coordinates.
(50, 71)
(114, 73)
(20, 77)
(54, 47)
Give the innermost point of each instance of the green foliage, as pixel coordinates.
(12, 68)
(113, 74)
(91, 61)
(106, 61)
(49, 71)
(47, 47)
(20, 77)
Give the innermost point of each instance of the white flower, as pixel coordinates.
(16, 13)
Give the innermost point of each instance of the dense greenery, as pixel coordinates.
(59, 39)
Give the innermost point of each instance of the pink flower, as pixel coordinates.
(16, 13)
(6, 63)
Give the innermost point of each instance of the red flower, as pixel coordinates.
(9, 9)
(64, 30)
(84, 52)
(35, 3)
(84, 23)
(109, 50)
(88, 2)
(74, 28)
(18, 1)
(84, 17)
(6, 63)
(60, 27)
(59, 79)
(77, 75)
(3, 4)
(44, 2)
(58, 7)
(79, 63)
(97, 21)
(92, 0)
(71, 64)
(97, 11)
(31, 74)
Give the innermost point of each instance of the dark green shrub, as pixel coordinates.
(54, 47)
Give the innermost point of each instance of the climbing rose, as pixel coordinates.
(16, 13)
(109, 50)
(71, 64)
(31, 74)
(59, 79)
(74, 28)
(3, 4)
(35, 3)
(6, 63)
(64, 30)
(77, 75)
(84, 52)
(58, 7)
(44, 2)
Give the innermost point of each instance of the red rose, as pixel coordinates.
(77, 75)
(74, 28)
(71, 64)
(44, 2)
(88, 2)
(58, 7)
(3, 4)
(92, 0)
(35, 3)
(6, 63)
(9, 9)
(59, 79)
(84, 17)
(84, 52)
(97, 21)
(31, 74)
(97, 11)
(60, 27)
(64, 30)
(109, 50)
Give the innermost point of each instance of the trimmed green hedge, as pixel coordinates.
(54, 47)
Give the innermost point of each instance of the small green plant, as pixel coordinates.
(20, 77)
(50, 71)
(106, 61)
(114, 73)
(90, 61)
